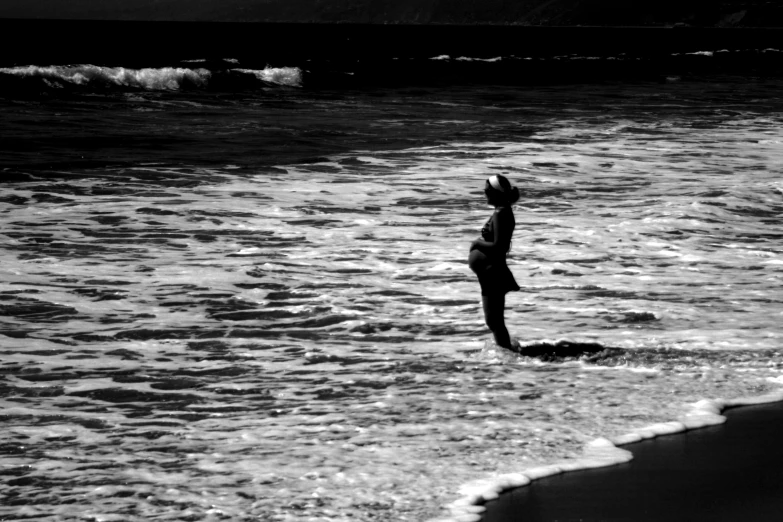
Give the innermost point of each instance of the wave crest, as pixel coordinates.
(166, 78)
(291, 76)
(151, 79)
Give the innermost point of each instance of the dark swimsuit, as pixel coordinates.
(493, 273)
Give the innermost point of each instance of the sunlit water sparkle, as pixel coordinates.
(303, 340)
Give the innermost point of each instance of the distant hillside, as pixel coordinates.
(709, 13)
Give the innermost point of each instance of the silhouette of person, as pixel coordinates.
(487, 257)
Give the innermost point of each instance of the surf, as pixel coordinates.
(91, 77)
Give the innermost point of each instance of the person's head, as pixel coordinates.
(499, 191)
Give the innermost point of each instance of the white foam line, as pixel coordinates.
(601, 452)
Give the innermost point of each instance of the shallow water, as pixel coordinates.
(257, 306)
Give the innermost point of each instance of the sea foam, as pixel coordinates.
(600, 452)
(166, 78)
(290, 76)
(152, 79)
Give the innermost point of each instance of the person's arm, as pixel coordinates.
(503, 224)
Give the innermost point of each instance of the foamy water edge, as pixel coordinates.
(598, 453)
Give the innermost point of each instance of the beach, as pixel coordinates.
(234, 290)
(723, 472)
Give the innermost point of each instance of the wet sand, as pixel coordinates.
(727, 472)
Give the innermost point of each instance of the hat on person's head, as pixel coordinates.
(497, 182)
(502, 186)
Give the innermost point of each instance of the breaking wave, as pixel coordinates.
(166, 78)
(228, 75)
(291, 76)
(151, 79)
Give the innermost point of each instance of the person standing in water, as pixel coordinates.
(487, 257)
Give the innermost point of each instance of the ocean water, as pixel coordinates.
(233, 291)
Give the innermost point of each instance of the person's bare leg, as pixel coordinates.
(494, 309)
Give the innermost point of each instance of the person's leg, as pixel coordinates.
(494, 309)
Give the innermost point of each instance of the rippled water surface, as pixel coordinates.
(258, 307)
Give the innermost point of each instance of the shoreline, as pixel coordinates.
(497, 499)
(193, 340)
